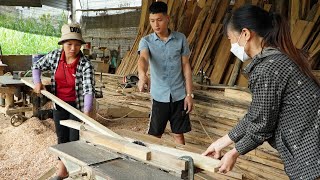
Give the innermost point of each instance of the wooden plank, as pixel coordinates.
(204, 32)
(294, 13)
(197, 27)
(222, 59)
(157, 158)
(242, 80)
(304, 36)
(102, 129)
(235, 72)
(239, 95)
(76, 125)
(300, 25)
(200, 161)
(208, 42)
(228, 74)
(118, 145)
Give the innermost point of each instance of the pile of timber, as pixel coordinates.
(216, 111)
(202, 23)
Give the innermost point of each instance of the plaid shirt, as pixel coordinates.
(285, 111)
(84, 74)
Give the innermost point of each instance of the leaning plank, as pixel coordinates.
(102, 129)
(76, 125)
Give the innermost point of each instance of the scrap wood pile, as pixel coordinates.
(215, 113)
(202, 23)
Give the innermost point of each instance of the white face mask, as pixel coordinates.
(238, 51)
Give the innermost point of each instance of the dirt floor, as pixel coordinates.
(24, 149)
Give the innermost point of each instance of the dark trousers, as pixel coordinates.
(65, 134)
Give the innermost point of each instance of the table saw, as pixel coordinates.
(87, 161)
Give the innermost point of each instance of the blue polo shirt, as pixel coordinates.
(166, 65)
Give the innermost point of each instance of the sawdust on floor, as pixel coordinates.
(24, 149)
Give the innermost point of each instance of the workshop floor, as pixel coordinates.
(24, 149)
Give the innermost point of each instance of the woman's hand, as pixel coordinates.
(215, 148)
(38, 87)
(228, 161)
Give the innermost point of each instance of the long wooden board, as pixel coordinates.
(83, 117)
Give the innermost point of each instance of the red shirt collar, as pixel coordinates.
(73, 64)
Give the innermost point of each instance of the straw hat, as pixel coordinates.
(71, 32)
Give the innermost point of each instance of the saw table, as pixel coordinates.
(9, 90)
(87, 161)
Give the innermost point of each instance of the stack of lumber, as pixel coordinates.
(215, 113)
(202, 23)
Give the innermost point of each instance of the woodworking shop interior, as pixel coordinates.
(112, 30)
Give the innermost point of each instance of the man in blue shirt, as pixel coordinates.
(171, 82)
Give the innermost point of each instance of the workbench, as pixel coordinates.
(87, 161)
(9, 89)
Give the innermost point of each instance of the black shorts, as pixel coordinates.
(174, 112)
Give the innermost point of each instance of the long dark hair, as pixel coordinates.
(275, 32)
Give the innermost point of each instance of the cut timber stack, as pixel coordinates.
(215, 113)
(202, 23)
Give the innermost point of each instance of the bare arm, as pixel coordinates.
(143, 65)
(188, 103)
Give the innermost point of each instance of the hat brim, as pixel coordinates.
(71, 37)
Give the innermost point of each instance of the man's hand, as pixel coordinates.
(143, 84)
(188, 104)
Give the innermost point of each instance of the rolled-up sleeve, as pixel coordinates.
(261, 120)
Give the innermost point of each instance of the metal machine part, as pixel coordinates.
(190, 167)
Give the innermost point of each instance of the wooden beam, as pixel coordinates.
(118, 145)
(102, 129)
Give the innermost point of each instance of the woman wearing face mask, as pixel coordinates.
(285, 108)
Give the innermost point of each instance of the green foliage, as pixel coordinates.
(45, 25)
(15, 42)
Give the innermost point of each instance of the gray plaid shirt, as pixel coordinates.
(285, 111)
(84, 74)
